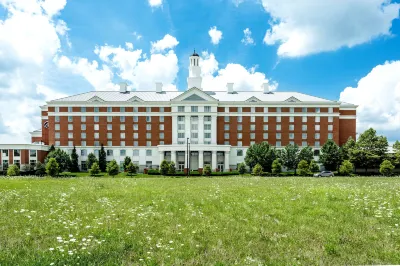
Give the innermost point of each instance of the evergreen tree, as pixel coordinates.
(242, 168)
(74, 161)
(290, 157)
(330, 156)
(313, 167)
(303, 168)
(276, 166)
(52, 148)
(91, 160)
(95, 169)
(112, 168)
(164, 167)
(306, 154)
(207, 170)
(257, 170)
(52, 167)
(171, 168)
(132, 169)
(13, 170)
(127, 161)
(102, 159)
(386, 168)
(40, 169)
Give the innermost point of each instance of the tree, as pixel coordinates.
(52, 167)
(112, 168)
(164, 167)
(346, 168)
(91, 160)
(207, 170)
(13, 170)
(290, 156)
(276, 166)
(74, 161)
(396, 149)
(303, 168)
(330, 156)
(52, 148)
(127, 161)
(61, 157)
(242, 168)
(102, 159)
(313, 167)
(171, 168)
(306, 154)
(260, 153)
(95, 169)
(346, 148)
(132, 169)
(40, 169)
(386, 168)
(257, 170)
(396, 146)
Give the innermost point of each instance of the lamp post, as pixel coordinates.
(187, 157)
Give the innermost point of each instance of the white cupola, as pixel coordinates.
(194, 79)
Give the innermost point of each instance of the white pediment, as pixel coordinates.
(96, 99)
(253, 100)
(292, 100)
(135, 99)
(194, 95)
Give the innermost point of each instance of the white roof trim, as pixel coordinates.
(253, 99)
(135, 99)
(292, 100)
(95, 99)
(194, 91)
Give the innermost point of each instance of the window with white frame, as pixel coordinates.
(317, 119)
(135, 119)
(122, 118)
(291, 109)
(148, 135)
(304, 143)
(240, 109)
(109, 127)
(161, 127)
(304, 110)
(252, 127)
(83, 109)
(110, 152)
(265, 109)
(122, 135)
(135, 127)
(109, 135)
(70, 135)
(135, 143)
(278, 136)
(291, 135)
(32, 153)
(330, 127)
(253, 109)
(57, 126)
(83, 135)
(304, 119)
(239, 152)
(330, 135)
(317, 136)
(252, 119)
(265, 118)
(96, 135)
(57, 135)
(226, 127)
(70, 143)
(278, 144)
(239, 143)
(83, 119)
(70, 119)
(161, 109)
(317, 110)
(194, 109)
(239, 119)
(181, 118)
(135, 135)
(330, 119)
(161, 135)
(122, 109)
(122, 127)
(181, 109)
(148, 109)
(70, 109)
(291, 119)
(317, 144)
(207, 126)
(278, 110)
(278, 119)
(317, 127)
(70, 127)
(304, 135)
(207, 135)
(226, 136)
(330, 110)
(252, 135)
(135, 109)
(109, 109)
(181, 126)
(83, 152)
(96, 153)
(122, 152)
(304, 127)
(148, 126)
(148, 119)
(135, 152)
(149, 153)
(96, 119)
(207, 118)
(181, 135)
(96, 127)
(96, 109)
(109, 119)
(96, 143)
(265, 127)
(83, 126)
(57, 143)
(291, 127)
(240, 127)
(239, 135)
(226, 119)
(265, 135)
(109, 143)
(161, 118)
(252, 142)
(278, 127)
(57, 119)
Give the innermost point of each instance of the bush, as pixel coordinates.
(276, 167)
(386, 168)
(40, 169)
(13, 170)
(242, 168)
(207, 170)
(257, 170)
(346, 168)
(302, 168)
(153, 172)
(171, 168)
(164, 167)
(52, 167)
(313, 167)
(66, 174)
(132, 168)
(112, 168)
(127, 161)
(195, 173)
(95, 170)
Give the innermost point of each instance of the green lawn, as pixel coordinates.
(200, 221)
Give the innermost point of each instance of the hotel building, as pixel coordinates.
(150, 126)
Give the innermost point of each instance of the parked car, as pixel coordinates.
(324, 173)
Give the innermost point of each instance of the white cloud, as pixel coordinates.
(155, 3)
(215, 34)
(168, 42)
(313, 26)
(378, 97)
(137, 35)
(247, 39)
(215, 78)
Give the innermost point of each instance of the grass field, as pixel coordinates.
(200, 221)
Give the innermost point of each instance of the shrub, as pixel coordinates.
(52, 167)
(276, 167)
(195, 173)
(242, 168)
(13, 170)
(302, 168)
(95, 170)
(62, 158)
(91, 160)
(127, 161)
(112, 168)
(257, 170)
(171, 169)
(313, 167)
(164, 167)
(153, 172)
(40, 169)
(132, 168)
(207, 170)
(346, 168)
(386, 168)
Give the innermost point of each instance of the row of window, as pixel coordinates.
(122, 127)
(109, 109)
(277, 143)
(97, 143)
(111, 152)
(279, 110)
(278, 127)
(17, 153)
(278, 119)
(109, 135)
(109, 119)
(277, 135)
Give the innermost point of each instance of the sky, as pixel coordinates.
(346, 50)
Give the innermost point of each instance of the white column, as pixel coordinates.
(214, 160)
(226, 162)
(186, 160)
(201, 129)
(187, 127)
(174, 129)
(214, 129)
(173, 158)
(201, 159)
(161, 156)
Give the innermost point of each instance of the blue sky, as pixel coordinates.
(345, 52)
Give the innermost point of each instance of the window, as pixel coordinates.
(70, 127)
(207, 118)
(135, 152)
(304, 110)
(330, 127)
(278, 119)
(57, 135)
(181, 135)
(317, 127)
(96, 153)
(278, 135)
(109, 143)
(135, 135)
(317, 110)
(148, 109)
(226, 127)
(240, 109)
(317, 144)
(122, 143)
(265, 127)
(317, 135)
(83, 119)
(96, 109)
(252, 127)
(252, 135)
(181, 108)
(194, 109)
(109, 127)
(57, 118)
(291, 109)
(57, 126)
(83, 109)
(161, 109)
(109, 135)
(278, 110)
(317, 119)
(252, 119)
(83, 152)
(207, 135)
(109, 119)
(5, 153)
(330, 135)
(330, 119)
(136, 127)
(265, 109)
(110, 153)
(181, 118)
(265, 118)
(304, 143)
(135, 119)
(83, 135)
(226, 136)
(57, 143)
(135, 143)
(149, 164)
(239, 143)
(291, 119)
(330, 110)
(109, 109)
(122, 118)
(148, 135)
(96, 127)
(207, 109)
(291, 127)
(226, 119)
(239, 152)
(122, 135)
(32, 153)
(83, 127)
(96, 135)
(161, 127)
(265, 136)
(70, 135)
(278, 144)
(96, 119)
(304, 127)
(122, 153)
(69, 109)
(161, 135)
(239, 119)
(208, 127)
(278, 127)
(148, 118)
(304, 136)
(181, 126)
(135, 109)
(226, 109)
(96, 143)
(239, 127)
(148, 152)
(291, 135)
(304, 119)
(122, 109)
(70, 143)
(148, 126)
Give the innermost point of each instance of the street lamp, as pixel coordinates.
(188, 156)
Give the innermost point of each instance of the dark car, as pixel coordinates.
(324, 173)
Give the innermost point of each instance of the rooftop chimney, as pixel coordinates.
(159, 87)
(229, 86)
(123, 87)
(265, 87)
